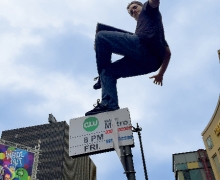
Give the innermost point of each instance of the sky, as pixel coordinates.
(47, 65)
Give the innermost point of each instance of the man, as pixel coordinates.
(144, 52)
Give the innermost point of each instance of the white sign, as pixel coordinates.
(94, 134)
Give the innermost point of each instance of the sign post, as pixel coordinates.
(129, 163)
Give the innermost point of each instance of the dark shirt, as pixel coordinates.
(150, 29)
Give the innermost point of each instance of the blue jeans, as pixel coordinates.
(137, 60)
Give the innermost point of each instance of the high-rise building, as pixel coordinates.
(55, 163)
(192, 166)
(211, 139)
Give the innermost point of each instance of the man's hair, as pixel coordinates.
(134, 2)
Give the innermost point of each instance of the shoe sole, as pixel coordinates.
(100, 112)
(99, 87)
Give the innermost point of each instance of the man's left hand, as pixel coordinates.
(158, 79)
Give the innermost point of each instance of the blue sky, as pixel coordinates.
(47, 65)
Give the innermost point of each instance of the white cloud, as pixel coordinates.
(11, 44)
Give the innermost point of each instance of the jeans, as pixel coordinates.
(137, 60)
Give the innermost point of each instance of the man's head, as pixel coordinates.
(134, 9)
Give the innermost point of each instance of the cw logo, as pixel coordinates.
(90, 124)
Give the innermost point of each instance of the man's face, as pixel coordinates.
(135, 10)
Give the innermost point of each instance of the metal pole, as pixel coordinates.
(122, 157)
(129, 165)
(138, 130)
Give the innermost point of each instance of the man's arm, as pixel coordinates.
(158, 79)
(154, 3)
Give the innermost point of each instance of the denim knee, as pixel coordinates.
(99, 35)
(108, 73)
(105, 72)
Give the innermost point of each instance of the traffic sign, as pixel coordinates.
(94, 134)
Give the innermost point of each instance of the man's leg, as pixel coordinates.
(138, 61)
(109, 100)
(109, 89)
(108, 42)
(125, 67)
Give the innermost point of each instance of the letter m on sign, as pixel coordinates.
(99, 137)
(108, 124)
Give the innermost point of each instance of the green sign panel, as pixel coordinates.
(90, 124)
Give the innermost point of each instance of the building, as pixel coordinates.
(211, 138)
(55, 162)
(192, 166)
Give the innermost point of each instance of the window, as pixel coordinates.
(217, 164)
(209, 142)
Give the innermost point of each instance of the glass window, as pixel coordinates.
(186, 175)
(216, 161)
(195, 174)
(181, 167)
(209, 142)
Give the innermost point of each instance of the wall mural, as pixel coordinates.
(15, 164)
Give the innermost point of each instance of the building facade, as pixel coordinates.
(55, 163)
(211, 139)
(192, 166)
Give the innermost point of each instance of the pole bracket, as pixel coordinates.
(128, 172)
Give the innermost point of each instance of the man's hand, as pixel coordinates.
(158, 79)
(154, 3)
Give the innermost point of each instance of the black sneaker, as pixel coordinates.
(98, 84)
(99, 108)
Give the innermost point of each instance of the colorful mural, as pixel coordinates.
(15, 164)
